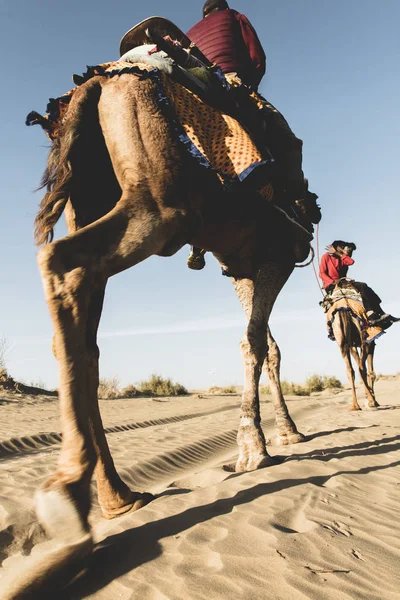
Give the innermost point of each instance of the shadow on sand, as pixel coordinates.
(118, 554)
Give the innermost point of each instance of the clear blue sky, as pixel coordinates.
(333, 70)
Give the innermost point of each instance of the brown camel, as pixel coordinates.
(349, 336)
(130, 190)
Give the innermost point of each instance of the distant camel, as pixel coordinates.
(129, 191)
(350, 336)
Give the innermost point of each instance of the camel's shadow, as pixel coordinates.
(121, 553)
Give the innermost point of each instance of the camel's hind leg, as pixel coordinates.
(285, 426)
(257, 298)
(371, 376)
(72, 268)
(350, 374)
(361, 359)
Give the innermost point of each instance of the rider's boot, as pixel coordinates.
(196, 259)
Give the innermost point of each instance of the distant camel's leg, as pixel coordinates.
(71, 269)
(361, 359)
(342, 333)
(257, 299)
(370, 362)
(285, 426)
(350, 375)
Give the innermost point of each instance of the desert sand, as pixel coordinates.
(323, 523)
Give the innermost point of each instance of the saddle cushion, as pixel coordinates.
(216, 140)
(356, 308)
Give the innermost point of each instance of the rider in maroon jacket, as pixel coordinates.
(228, 39)
(334, 266)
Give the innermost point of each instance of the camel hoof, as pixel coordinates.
(136, 502)
(291, 438)
(252, 464)
(44, 575)
(59, 516)
(371, 406)
(353, 408)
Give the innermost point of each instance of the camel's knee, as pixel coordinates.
(254, 349)
(47, 258)
(273, 357)
(61, 281)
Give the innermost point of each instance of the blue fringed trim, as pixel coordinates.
(377, 336)
(53, 114)
(202, 160)
(242, 176)
(363, 324)
(217, 71)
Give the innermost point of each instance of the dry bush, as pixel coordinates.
(293, 389)
(319, 383)
(214, 389)
(130, 391)
(160, 386)
(314, 383)
(109, 388)
(265, 389)
(331, 382)
(6, 381)
(230, 389)
(4, 350)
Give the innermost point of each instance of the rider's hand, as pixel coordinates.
(330, 249)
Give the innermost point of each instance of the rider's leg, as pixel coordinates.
(372, 305)
(286, 148)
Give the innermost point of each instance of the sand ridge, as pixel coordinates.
(324, 523)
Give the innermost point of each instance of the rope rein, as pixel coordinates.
(318, 259)
(309, 262)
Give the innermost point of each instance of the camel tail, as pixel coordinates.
(58, 174)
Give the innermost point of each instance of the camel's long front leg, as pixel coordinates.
(257, 299)
(114, 495)
(361, 359)
(74, 270)
(285, 426)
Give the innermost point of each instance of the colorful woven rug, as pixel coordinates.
(215, 140)
(356, 308)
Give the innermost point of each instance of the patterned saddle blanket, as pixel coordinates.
(349, 299)
(216, 140)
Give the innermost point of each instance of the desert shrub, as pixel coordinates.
(159, 386)
(292, 389)
(331, 382)
(314, 383)
(230, 389)
(130, 391)
(109, 388)
(39, 383)
(318, 383)
(4, 350)
(265, 389)
(7, 382)
(214, 389)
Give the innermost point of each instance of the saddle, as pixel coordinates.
(345, 297)
(343, 290)
(195, 72)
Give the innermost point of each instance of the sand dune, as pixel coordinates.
(322, 524)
